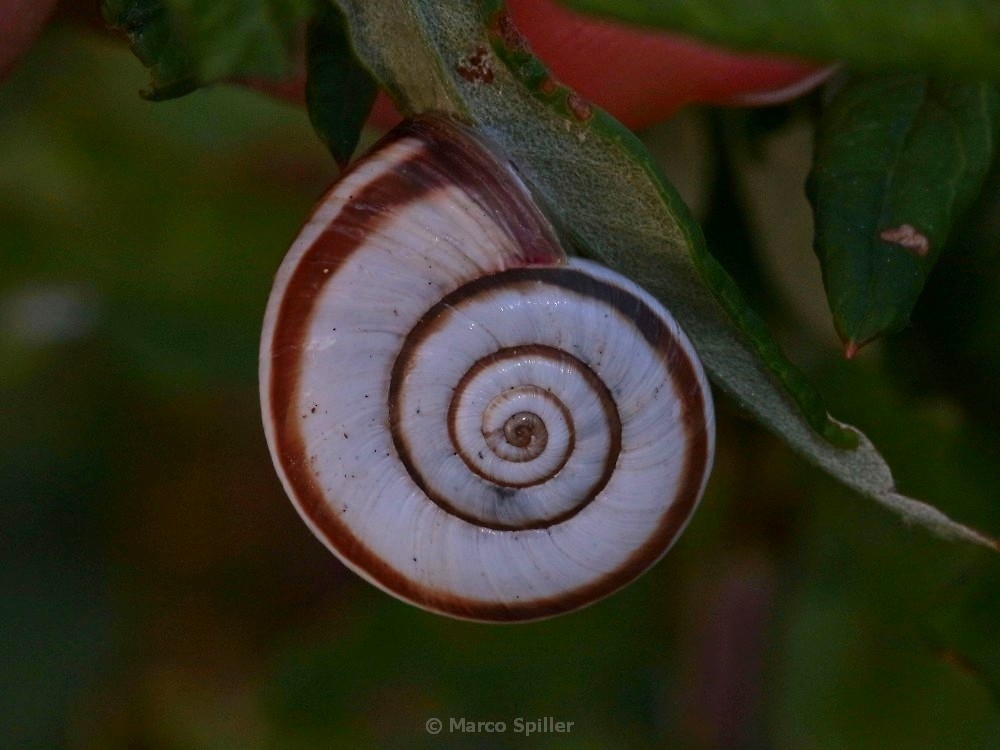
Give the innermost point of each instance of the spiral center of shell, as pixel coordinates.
(526, 430)
(531, 436)
(526, 433)
(515, 426)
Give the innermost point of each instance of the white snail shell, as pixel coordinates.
(467, 418)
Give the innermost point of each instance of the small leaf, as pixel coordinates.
(146, 25)
(609, 199)
(959, 36)
(190, 43)
(339, 91)
(899, 160)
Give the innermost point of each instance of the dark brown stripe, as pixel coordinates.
(345, 235)
(459, 157)
(334, 246)
(403, 367)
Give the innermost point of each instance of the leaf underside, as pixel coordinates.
(610, 201)
(898, 162)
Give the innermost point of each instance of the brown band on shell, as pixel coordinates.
(403, 366)
(455, 157)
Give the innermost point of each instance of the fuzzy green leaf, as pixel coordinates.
(339, 91)
(958, 36)
(611, 202)
(899, 160)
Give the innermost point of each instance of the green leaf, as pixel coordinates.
(191, 43)
(958, 36)
(146, 25)
(899, 160)
(339, 91)
(611, 203)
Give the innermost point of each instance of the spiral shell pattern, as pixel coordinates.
(467, 418)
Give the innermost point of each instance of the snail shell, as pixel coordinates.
(468, 419)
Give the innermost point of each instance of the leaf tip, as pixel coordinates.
(988, 541)
(932, 519)
(851, 348)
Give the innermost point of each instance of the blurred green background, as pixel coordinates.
(157, 590)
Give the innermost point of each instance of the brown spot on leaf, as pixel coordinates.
(502, 25)
(547, 86)
(578, 106)
(905, 235)
(476, 68)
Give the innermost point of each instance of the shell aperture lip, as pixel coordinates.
(467, 419)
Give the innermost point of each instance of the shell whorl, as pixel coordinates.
(467, 418)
